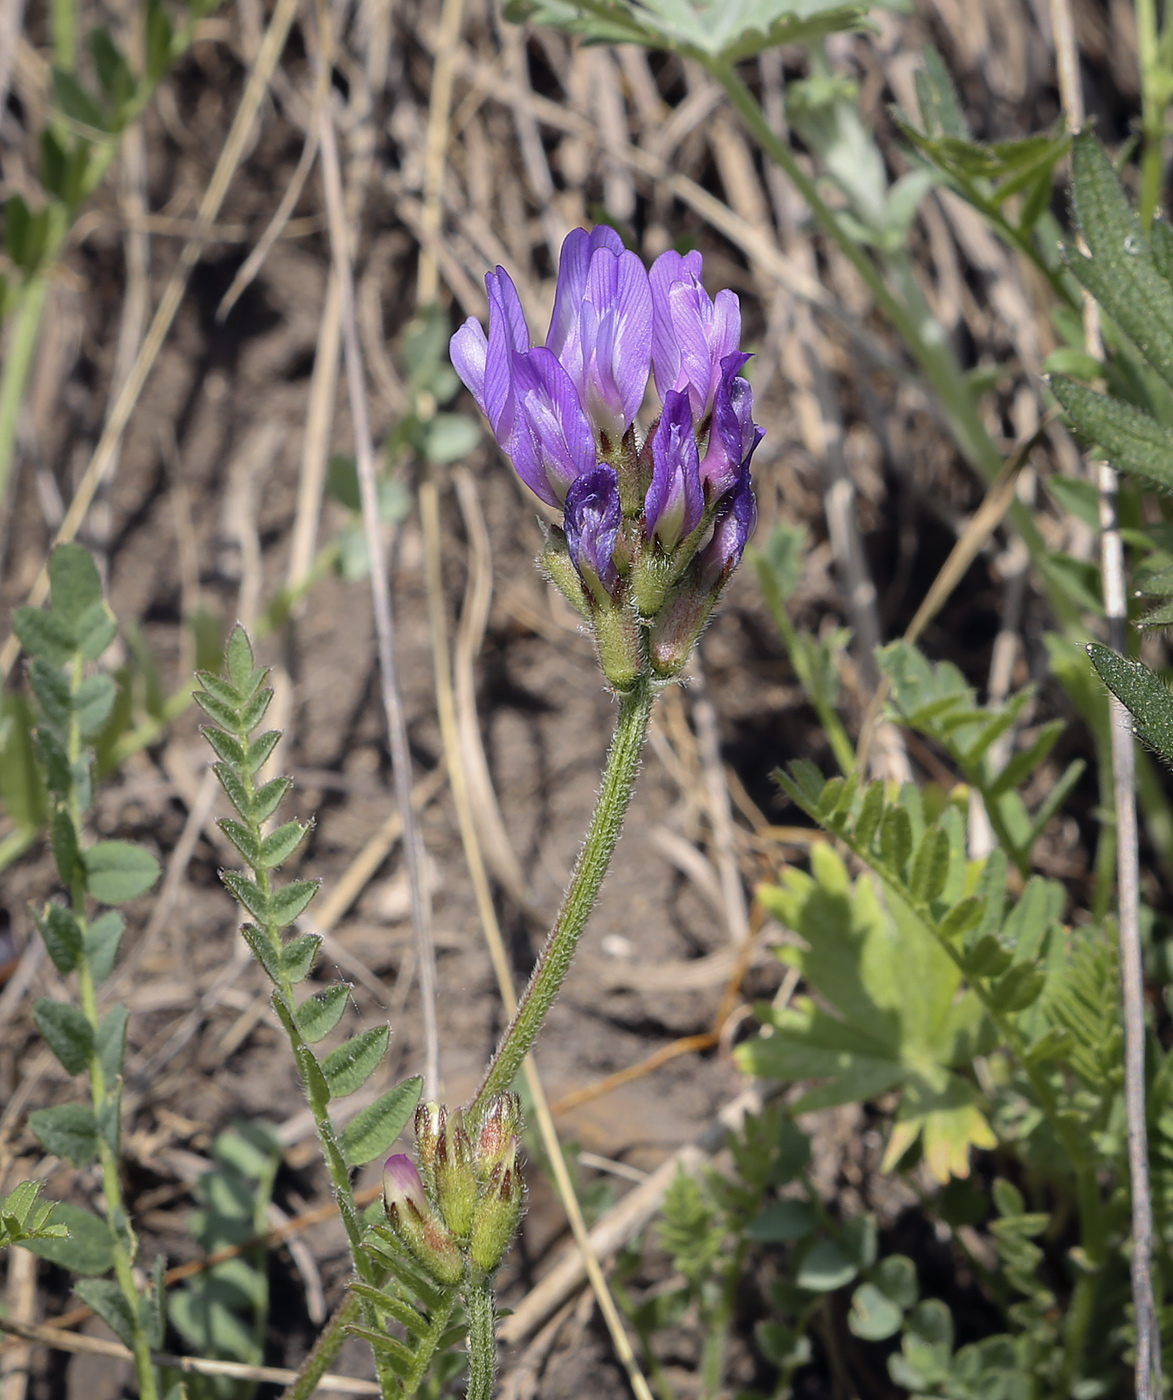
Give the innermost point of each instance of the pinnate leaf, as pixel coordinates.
(62, 937)
(66, 1031)
(68, 1130)
(118, 871)
(317, 1016)
(287, 903)
(349, 1067)
(372, 1131)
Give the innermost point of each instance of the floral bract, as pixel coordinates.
(655, 518)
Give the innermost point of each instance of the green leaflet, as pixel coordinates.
(863, 958)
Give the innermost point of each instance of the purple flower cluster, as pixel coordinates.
(655, 522)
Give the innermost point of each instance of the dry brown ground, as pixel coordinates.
(203, 503)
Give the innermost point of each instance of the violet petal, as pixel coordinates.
(551, 443)
(592, 521)
(675, 501)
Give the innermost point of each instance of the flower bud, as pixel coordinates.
(456, 1177)
(411, 1218)
(678, 624)
(620, 643)
(431, 1120)
(499, 1129)
(498, 1212)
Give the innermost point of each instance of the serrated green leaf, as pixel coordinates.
(102, 941)
(239, 661)
(107, 1299)
(66, 851)
(58, 773)
(866, 1034)
(44, 635)
(895, 839)
(317, 1016)
(1120, 273)
(68, 1130)
(317, 1085)
(221, 689)
(96, 629)
(66, 1032)
(255, 709)
(299, 955)
(62, 936)
(119, 871)
(247, 893)
(74, 584)
(287, 903)
(1130, 439)
(1144, 695)
(270, 797)
(227, 717)
(371, 1132)
(930, 867)
(263, 950)
(243, 839)
(245, 803)
(279, 845)
(870, 813)
(260, 749)
(93, 702)
(89, 1250)
(51, 688)
(349, 1067)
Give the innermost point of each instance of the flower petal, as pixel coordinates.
(578, 247)
(551, 443)
(468, 350)
(669, 269)
(592, 521)
(733, 523)
(675, 502)
(508, 335)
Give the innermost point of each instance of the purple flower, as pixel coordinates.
(592, 521)
(402, 1187)
(601, 329)
(734, 435)
(675, 502)
(691, 334)
(733, 523)
(551, 441)
(486, 365)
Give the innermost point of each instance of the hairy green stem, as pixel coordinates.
(425, 1348)
(324, 1350)
(286, 1007)
(631, 727)
(482, 1343)
(123, 1246)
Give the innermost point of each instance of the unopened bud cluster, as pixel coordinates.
(653, 523)
(456, 1208)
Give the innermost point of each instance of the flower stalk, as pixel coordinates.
(623, 760)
